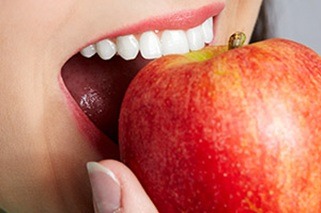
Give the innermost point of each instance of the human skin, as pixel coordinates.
(42, 151)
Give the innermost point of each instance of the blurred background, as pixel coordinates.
(298, 20)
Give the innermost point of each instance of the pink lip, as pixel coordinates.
(100, 142)
(179, 20)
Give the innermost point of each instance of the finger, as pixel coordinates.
(116, 189)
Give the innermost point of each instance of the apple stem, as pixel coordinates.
(236, 40)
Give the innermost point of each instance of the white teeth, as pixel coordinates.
(88, 51)
(208, 30)
(106, 49)
(128, 47)
(151, 46)
(174, 42)
(195, 38)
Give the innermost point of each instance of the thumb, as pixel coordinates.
(116, 189)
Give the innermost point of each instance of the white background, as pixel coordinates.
(298, 20)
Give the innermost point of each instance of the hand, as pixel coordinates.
(116, 189)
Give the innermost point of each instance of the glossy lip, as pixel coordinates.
(179, 20)
(184, 19)
(99, 141)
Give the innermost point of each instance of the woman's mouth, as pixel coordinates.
(98, 77)
(153, 44)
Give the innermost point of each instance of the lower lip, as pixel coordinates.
(100, 142)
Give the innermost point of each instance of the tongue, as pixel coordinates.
(99, 86)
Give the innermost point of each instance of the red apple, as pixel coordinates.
(227, 130)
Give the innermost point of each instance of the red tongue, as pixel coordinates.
(99, 86)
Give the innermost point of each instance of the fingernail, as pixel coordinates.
(105, 188)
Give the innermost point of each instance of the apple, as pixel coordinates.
(223, 130)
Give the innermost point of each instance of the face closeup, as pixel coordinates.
(59, 109)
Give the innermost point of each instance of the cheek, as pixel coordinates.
(34, 19)
(248, 12)
(237, 16)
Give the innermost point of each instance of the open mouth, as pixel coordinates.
(97, 77)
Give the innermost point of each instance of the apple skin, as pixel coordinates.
(227, 131)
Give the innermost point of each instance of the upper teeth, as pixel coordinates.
(151, 46)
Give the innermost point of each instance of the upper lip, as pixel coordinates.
(178, 20)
